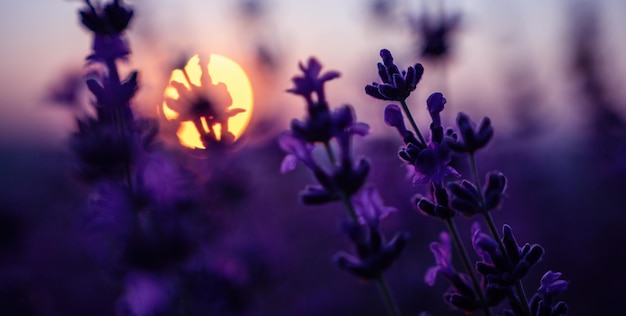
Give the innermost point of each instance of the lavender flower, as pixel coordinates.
(472, 140)
(311, 82)
(108, 25)
(542, 303)
(467, 199)
(460, 295)
(321, 125)
(431, 164)
(435, 35)
(438, 208)
(374, 255)
(499, 269)
(396, 85)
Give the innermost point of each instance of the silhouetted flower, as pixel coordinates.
(113, 97)
(108, 25)
(472, 140)
(311, 82)
(396, 85)
(205, 102)
(321, 125)
(435, 35)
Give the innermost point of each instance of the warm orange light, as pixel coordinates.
(221, 70)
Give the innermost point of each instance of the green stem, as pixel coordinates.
(468, 267)
(405, 108)
(385, 292)
(519, 287)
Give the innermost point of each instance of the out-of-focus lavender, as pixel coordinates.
(238, 239)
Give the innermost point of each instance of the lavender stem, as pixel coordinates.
(466, 262)
(407, 112)
(519, 287)
(385, 292)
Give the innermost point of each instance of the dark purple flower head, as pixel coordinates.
(435, 35)
(543, 302)
(472, 139)
(435, 104)
(551, 285)
(113, 19)
(396, 85)
(437, 208)
(373, 254)
(108, 24)
(321, 125)
(312, 82)
(432, 164)
(499, 270)
(467, 199)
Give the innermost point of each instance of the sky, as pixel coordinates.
(42, 40)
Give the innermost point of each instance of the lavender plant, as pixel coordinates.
(342, 179)
(503, 262)
(145, 223)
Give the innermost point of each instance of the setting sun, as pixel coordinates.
(206, 108)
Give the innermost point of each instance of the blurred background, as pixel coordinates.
(548, 74)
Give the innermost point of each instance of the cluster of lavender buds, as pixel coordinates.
(498, 275)
(342, 178)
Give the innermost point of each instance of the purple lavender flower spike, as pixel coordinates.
(369, 206)
(472, 140)
(108, 25)
(311, 82)
(396, 85)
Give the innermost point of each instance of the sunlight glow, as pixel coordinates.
(221, 70)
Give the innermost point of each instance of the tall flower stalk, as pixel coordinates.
(502, 266)
(342, 179)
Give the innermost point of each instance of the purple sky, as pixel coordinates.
(41, 40)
